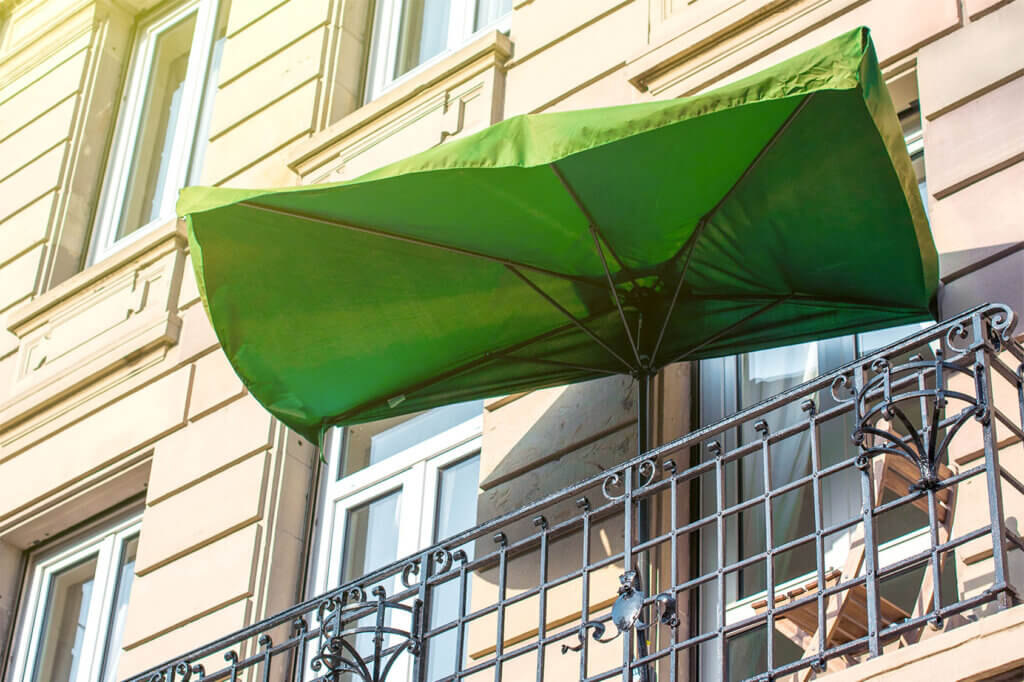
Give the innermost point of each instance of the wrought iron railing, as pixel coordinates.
(862, 510)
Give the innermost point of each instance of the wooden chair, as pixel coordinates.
(846, 612)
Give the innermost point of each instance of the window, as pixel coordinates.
(730, 384)
(913, 134)
(73, 617)
(903, 89)
(396, 486)
(163, 125)
(410, 33)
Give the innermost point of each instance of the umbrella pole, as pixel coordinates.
(643, 444)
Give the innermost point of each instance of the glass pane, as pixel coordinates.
(456, 497)
(869, 342)
(371, 541)
(424, 32)
(125, 578)
(202, 139)
(366, 444)
(458, 485)
(489, 11)
(151, 192)
(371, 536)
(64, 621)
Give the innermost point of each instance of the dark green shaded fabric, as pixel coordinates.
(787, 199)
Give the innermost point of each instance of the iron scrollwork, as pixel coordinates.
(883, 423)
(646, 470)
(627, 612)
(340, 627)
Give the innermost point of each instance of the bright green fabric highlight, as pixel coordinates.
(825, 235)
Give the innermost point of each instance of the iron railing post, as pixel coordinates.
(627, 566)
(993, 471)
(867, 492)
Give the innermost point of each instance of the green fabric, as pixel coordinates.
(329, 321)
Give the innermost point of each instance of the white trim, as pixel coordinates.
(387, 29)
(107, 548)
(413, 470)
(114, 195)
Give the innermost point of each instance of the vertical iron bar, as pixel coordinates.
(716, 450)
(673, 570)
(419, 663)
(542, 596)
(378, 636)
(769, 556)
(627, 565)
(993, 471)
(300, 654)
(584, 505)
(819, 523)
(933, 525)
(499, 644)
(867, 491)
(460, 628)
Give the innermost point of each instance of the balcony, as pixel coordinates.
(861, 512)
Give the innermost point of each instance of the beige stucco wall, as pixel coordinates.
(112, 387)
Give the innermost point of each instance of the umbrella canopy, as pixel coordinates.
(561, 247)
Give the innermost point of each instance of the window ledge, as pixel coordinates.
(441, 102)
(102, 318)
(710, 39)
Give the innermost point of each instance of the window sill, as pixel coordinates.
(460, 93)
(104, 317)
(709, 40)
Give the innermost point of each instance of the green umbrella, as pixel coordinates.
(556, 248)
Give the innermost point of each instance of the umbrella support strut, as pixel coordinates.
(643, 512)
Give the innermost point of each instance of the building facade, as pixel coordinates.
(149, 506)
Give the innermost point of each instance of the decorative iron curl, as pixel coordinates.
(1003, 321)
(183, 671)
(599, 630)
(843, 383)
(442, 560)
(958, 331)
(612, 481)
(355, 594)
(646, 472)
(410, 569)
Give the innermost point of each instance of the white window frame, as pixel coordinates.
(113, 196)
(387, 27)
(107, 546)
(415, 470)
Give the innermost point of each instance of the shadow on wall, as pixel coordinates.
(548, 440)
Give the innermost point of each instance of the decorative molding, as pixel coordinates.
(434, 107)
(26, 52)
(680, 51)
(103, 318)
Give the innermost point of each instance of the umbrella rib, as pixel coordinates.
(757, 159)
(417, 241)
(572, 318)
(488, 357)
(615, 297)
(691, 243)
(558, 363)
(679, 287)
(587, 214)
(722, 332)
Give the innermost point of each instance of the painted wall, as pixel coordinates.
(112, 387)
